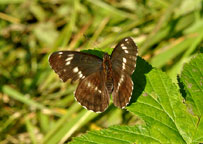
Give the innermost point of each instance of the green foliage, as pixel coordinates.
(192, 78)
(167, 119)
(36, 107)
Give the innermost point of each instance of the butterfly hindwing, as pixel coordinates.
(74, 65)
(92, 92)
(123, 87)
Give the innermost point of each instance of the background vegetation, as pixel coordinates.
(35, 105)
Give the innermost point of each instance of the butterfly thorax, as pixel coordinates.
(107, 68)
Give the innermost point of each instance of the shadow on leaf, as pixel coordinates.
(139, 79)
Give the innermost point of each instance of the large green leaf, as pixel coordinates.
(117, 135)
(192, 78)
(162, 109)
(159, 103)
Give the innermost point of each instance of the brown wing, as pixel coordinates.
(123, 59)
(92, 93)
(124, 56)
(123, 87)
(74, 65)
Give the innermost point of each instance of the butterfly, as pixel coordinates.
(98, 78)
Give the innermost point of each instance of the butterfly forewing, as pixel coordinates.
(74, 65)
(123, 60)
(92, 92)
(124, 56)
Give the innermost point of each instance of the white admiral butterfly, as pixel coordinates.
(99, 78)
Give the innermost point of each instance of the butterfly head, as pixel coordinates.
(106, 56)
(106, 62)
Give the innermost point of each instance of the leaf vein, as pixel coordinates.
(105, 136)
(150, 105)
(168, 99)
(159, 122)
(136, 134)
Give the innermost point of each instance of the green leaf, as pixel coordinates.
(139, 78)
(160, 105)
(192, 78)
(163, 111)
(97, 52)
(117, 135)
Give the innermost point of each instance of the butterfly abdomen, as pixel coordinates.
(109, 85)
